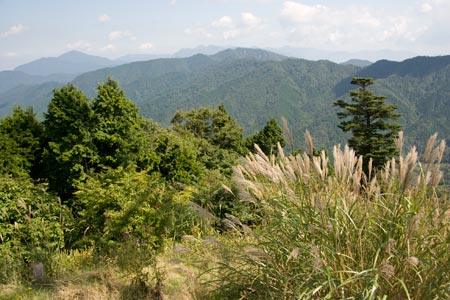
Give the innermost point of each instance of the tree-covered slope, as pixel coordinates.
(36, 95)
(256, 85)
(253, 85)
(419, 87)
(12, 79)
(424, 102)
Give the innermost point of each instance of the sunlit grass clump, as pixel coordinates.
(327, 230)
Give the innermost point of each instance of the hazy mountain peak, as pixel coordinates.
(72, 62)
(417, 66)
(358, 62)
(73, 53)
(207, 50)
(248, 53)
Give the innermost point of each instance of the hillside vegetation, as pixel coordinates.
(99, 202)
(256, 85)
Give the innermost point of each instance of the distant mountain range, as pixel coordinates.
(73, 62)
(256, 85)
(12, 79)
(342, 56)
(357, 62)
(68, 65)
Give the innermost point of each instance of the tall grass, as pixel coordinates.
(330, 231)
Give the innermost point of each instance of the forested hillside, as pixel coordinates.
(256, 85)
(98, 201)
(419, 87)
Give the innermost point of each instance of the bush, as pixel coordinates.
(32, 224)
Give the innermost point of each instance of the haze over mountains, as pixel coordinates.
(73, 62)
(67, 66)
(256, 85)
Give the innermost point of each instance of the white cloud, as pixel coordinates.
(173, 2)
(199, 31)
(300, 13)
(426, 7)
(224, 22)
(108, 48)
(145, 46)
(103, 18)
(250, 20)
(228, 28)
(121, 34)
(10, 54)
(13, 30)
(347, 28)
(79, 45)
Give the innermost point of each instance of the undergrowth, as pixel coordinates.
(329, 231)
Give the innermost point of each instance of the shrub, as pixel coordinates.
(32, 224)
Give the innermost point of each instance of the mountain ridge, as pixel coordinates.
(255, 88)
(72, 62)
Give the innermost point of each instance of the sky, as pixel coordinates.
(30, 29)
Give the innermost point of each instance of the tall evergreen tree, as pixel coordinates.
(267, 138)
(371, 124)
(70, 152)
(21, 143)
(118, 133)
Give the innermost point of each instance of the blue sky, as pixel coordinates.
(30, 29)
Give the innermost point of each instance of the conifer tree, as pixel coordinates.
(69, 153)
(267, 138)
(371, 124)
(21, 136)
(117, 126)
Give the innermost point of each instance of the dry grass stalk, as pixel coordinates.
(428, 149)
(370, 237)
(407, 166)
(287, 133)
(309, 143)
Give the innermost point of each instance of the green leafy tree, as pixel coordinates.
(214, 125)
(21, 143)
(177, 158)
(371, 124)
(267, 138)
(12, 162)
(118, 134)
(214, 133)
(70, 153)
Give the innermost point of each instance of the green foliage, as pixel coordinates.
(117, 130)
(83, 138)
(267, 138)
(21, 143)
(215, 126)
(32, 227)
(11, 160)
(373, 132)
(127, 216)
(252, 90)
(177, 158)
(70, 152)
(129, 207)
(255, 90)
